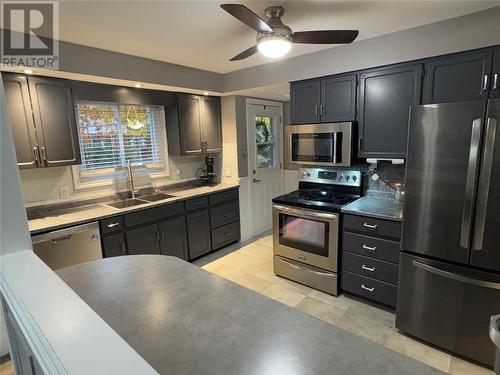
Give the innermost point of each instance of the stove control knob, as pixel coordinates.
(341, 177)
(354, 178)
(308, 174)
(347, 177)
(303, 174)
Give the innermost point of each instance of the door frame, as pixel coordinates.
(252, 148)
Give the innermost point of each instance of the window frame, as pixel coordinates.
(110, 176)
(274, 119)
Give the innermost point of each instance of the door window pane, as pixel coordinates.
(264, 138)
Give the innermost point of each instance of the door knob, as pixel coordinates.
(255, 180)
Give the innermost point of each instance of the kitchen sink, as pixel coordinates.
(127, 203)
(157, 197)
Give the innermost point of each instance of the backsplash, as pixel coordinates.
(45, 185)
(393, 173)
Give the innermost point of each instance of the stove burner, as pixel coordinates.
(323, 196)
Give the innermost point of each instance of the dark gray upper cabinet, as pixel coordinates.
(495, 75)
(338, 98)
(143, 240)
(458, 77)
(54, 114)
(43, 121)
(173, 237)
(21, 120)
(196, 122)
(190, 124)
(305, 99)
(211, 123)
(385, 97)
(198, 223)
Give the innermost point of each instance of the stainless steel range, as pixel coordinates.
(306, 226)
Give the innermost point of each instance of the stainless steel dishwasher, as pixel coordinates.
(69, 246)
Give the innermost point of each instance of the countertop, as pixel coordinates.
(184, 320)
(375, 207)
(101, 211)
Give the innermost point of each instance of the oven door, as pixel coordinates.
(324, 144)
(307, 236)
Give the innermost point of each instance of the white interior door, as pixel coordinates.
(265, 153)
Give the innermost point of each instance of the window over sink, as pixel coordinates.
(112, 134)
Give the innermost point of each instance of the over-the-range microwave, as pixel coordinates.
(319, 144)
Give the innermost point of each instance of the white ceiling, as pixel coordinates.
(200, 34)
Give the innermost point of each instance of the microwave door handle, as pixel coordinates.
(335, 148)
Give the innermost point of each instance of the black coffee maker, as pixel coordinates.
(209, 175)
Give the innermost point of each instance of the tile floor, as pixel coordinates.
(250, 265)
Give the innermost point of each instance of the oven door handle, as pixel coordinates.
(305, 213)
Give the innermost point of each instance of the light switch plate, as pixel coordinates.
(228, 172)
(64, 192)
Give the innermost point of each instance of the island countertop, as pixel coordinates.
(185, 320)
(375, 207)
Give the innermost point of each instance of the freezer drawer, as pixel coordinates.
(448, 306)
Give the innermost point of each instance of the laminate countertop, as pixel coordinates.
(375, 207)
(101, 210)
(184, 320)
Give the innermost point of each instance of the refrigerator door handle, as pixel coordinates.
(456, 277)
(484, 183)
(470, 184)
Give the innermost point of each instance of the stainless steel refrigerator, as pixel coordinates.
(449, 282)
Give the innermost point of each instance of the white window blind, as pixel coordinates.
(112, 134)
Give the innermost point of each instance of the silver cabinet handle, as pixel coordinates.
(163, 234)
(485, 82)
(484, 183)
(470, 184)
(256, 180)
(366, 247)
(112, 225)
(124, 251)
(316, 110)
(370, 226)
(371, 269)
(495, 81)
(36, 156)
(44, 156)
(363, 286)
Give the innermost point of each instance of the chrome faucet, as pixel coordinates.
(130, 180)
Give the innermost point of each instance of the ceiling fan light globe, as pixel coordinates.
(274, 47)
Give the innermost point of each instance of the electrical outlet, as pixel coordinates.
(228, 172)
(64, 192)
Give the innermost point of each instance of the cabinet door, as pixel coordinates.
(173, 237)
(190, 124)
(198, 233)
(338, 98)
(495, 83)
(114, 245)
(459, 77)
(55, 120)
(143, 240)
(211, 124)
(385, 98)
(305, 100)
(21, 119)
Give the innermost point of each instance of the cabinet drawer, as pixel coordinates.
(225, 235)
(224, 214)
(376, 269)
(154, 214)
(376, 227)
(223, 196)
(369, 288)
(196, 203)
(111, 225)
(371, 247)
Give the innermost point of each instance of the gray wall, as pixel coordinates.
(472, 31)
(241, 135)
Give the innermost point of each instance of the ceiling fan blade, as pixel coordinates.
(246, 53)
(246, 16)
(325, 36)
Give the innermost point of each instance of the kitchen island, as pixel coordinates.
(184, 320)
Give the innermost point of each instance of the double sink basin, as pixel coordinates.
(131, 202)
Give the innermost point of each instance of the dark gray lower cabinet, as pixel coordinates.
(198, 223)
(114, 245)
(370, 258)
(173, 237)
(143, 240)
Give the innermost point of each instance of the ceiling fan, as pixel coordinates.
(274, 39)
